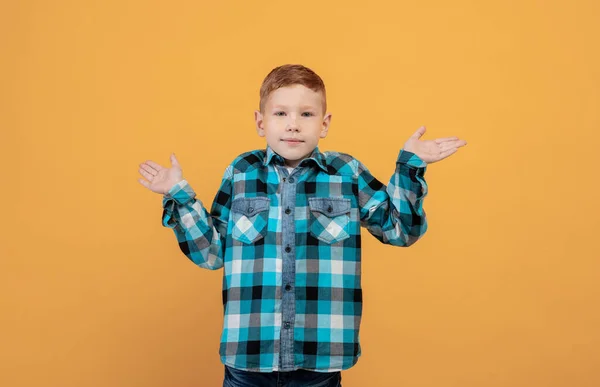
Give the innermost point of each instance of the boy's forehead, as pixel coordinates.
(295, 95)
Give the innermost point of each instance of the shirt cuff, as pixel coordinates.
(410, 159)
(181, 193)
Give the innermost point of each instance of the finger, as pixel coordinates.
(154, 165)
(447, 153)
(444, 139)
(146, 175)
(419, 133)
(148, 169)
(452, 144)
(459, 143)
(144, 183)
(174, 160)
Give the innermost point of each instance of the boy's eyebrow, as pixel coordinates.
(301, 107)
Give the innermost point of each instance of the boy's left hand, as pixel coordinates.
(431, 151)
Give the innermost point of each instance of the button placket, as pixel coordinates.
(288, 197)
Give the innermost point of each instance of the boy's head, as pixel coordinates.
(293, 112)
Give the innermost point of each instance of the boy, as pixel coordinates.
(285, 226)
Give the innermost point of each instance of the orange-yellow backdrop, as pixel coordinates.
(503, 289)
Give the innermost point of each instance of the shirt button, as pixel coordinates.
(288, 249)
(329, 209)
(287, 287)
(250, 209)
(287, 211)
(291, 179)
(284, 179)
(286, 325)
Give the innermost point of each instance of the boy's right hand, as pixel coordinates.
(158, 178)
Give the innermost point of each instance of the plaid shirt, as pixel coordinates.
(290, 246)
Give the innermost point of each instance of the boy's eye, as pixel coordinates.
(307, 114)
(279, 113)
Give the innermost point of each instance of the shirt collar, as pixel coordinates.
(316, 156)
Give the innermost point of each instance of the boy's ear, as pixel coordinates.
(325, 125)
(258, 118)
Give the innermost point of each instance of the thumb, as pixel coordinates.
(419, 133)
(174, 161)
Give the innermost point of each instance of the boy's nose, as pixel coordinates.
(292, 125)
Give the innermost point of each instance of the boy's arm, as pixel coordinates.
(394, 214)
(201, 235)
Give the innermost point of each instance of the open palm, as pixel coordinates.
(160, 179)
(431, 151)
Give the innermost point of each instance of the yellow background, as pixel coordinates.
(502, 290)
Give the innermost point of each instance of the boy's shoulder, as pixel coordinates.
(335, 162)
(248, 160)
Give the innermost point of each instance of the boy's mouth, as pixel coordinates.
(292, 140)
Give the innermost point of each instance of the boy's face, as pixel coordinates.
(293, 121)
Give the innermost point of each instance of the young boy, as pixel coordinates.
(285, 226)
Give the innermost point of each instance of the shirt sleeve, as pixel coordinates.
(201, 235)
(394, 213)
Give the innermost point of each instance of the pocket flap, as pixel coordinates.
(250, 206)
(330, 206)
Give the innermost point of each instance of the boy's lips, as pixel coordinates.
(292, 140)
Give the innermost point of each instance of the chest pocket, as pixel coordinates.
(250, 219)
(330, 218)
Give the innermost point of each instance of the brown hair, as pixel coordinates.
(288, 75)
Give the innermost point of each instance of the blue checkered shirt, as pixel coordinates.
(290, 246)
